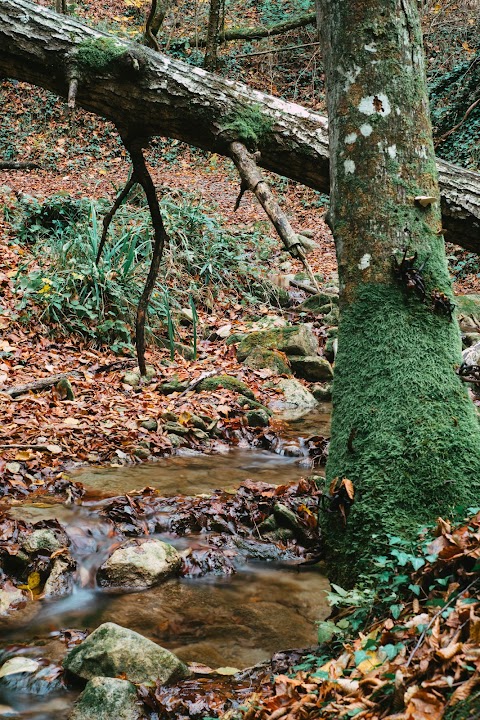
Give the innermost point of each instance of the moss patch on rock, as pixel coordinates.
(260, 358)
(228, 382)
(294, 340)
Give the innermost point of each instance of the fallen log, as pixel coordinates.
(145, 93)
(41, 384)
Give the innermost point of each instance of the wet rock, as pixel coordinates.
(141, 452)
(44, 539)
(294, 340)
(257, 418)
(139, 565)
(261, 358)
(112, 650)
(105, 698)
(10, 598)
(150, 424)
(313, 368)
(60, 580)
(322, 392)
(295, 397)
(24, 675)
(228, 382)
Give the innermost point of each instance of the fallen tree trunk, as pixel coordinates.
(145, 94)
(256, 33)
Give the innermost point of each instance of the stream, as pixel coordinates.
(217, 620)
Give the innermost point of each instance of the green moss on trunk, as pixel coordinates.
(403, 429)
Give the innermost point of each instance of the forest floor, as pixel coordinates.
(415, 652)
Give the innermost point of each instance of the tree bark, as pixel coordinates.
(147, 93)
(210, 61)
(403, 429)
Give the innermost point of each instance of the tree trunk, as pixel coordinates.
(147, 93)
(210, 61)
(403, 429)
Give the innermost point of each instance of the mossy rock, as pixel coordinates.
(176, 427)
(261, 358)
(253, 404)
(312, 368)
(332, 317)
(228, 382)
(149, 424)
(172, 385)
(235, 338)
(467, 308)
(293, 340)
(257, 418)
(112, 650)
(106, 698)
(320, 303)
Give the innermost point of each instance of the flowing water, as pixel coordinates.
(237, 620)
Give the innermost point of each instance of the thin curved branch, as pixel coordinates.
(109, 216)
(143, 177)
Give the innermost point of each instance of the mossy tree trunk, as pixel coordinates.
(404, 430)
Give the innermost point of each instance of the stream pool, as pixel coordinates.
(236, 620)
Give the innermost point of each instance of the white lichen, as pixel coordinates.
(370, 48)
(392, 151)
(378, 104)
(350, 138)
(349, 166)
(366, 129)
(365, 262)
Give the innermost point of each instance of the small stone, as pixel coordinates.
(176, 427)
(105, 698)
(141, 452)
(171, 386)
(176, 440)
(149, 424)
(257, 418)
(113, 650)
(131, 378)
(10, 598)
(43, 539)
(170, 416)
(322, 392)
(200, 434)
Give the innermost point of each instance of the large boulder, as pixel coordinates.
(294, 340)
(112, 650)
(139, 564)
(313, 368)
(274, 360)
(105, 698)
